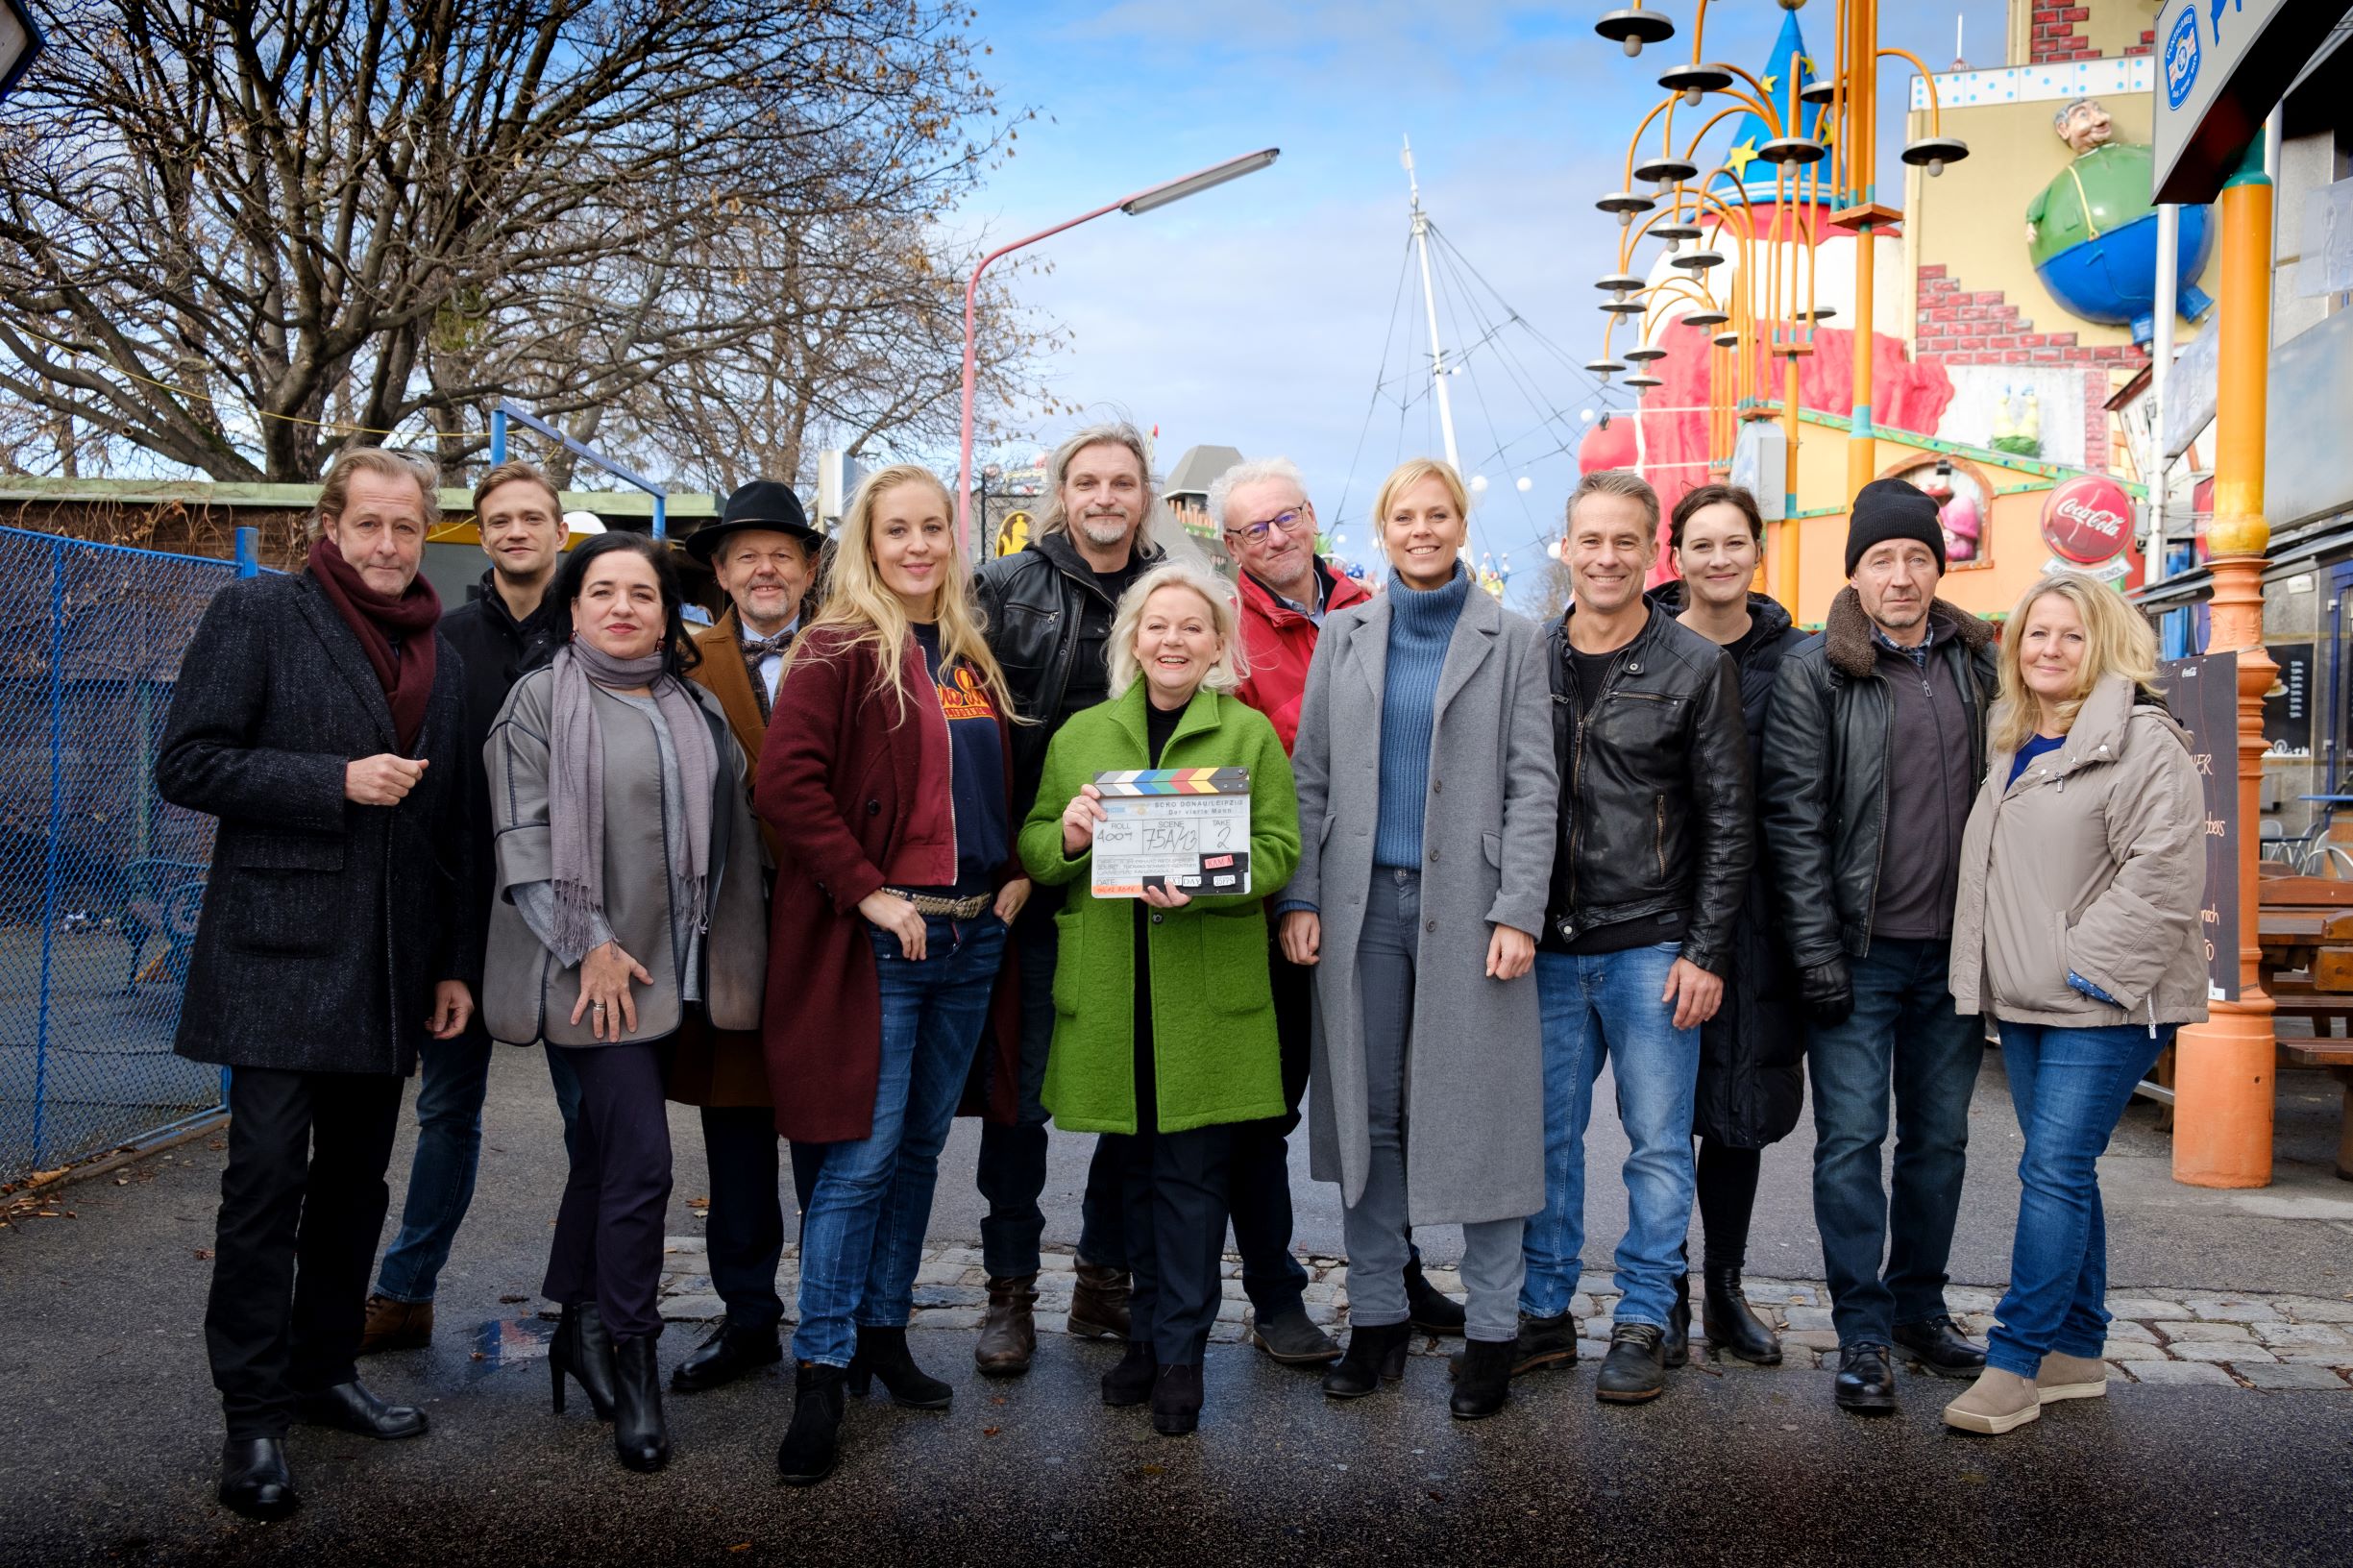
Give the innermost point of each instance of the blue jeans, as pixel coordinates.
(1597, 1007)
(453, 1076)
(862, 1235)
(1902, 1033)
(2070, 1086)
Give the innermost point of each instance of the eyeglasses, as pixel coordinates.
(1288, 521)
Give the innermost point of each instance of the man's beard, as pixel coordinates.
(1105, 531)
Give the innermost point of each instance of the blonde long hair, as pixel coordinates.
(2115, 642)
(857, 602)
(1231, 667)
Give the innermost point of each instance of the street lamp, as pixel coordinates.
(1141, 201)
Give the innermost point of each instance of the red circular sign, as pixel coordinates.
(2088, 520)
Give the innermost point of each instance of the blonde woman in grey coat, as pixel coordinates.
(2083, 871)
(1428, 801)
(628, 893)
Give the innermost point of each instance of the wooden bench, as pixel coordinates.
(2335, 1056)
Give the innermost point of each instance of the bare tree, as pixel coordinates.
(238, 235)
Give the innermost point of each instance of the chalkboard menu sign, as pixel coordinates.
(2204, 696)
(2287, 717)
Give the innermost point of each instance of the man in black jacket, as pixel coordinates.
(317, 716)
(1655, 841)
(1881, 720)
(1049, 612)
(499, 633)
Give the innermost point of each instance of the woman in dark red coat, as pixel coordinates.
(887, 776)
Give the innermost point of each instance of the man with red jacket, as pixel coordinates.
(1263, 509)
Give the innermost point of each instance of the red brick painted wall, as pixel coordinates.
(2053, 35)
(1982, 328)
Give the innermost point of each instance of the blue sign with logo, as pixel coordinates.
(2181, 55)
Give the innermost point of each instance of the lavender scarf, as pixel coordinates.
(575, 785)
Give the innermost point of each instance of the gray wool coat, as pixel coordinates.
(527, 995)
(1475, 1095)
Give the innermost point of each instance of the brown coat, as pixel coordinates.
(725, 1067)
(2094, 863)
(860, 801)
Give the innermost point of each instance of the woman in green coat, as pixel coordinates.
(1164, 1025)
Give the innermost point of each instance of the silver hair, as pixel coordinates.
(1232, 666)
(2058, 121)
(1254, 470)
(1115, 433)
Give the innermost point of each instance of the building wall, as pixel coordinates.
(2041, 31)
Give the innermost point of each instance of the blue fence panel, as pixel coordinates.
(100, 880)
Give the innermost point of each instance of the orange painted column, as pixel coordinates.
(2222, 1070)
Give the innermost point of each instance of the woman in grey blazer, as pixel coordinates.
(1426, 816)
(630, 891)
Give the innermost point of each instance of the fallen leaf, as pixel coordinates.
(510, 1301)
(991, 1432)
(480, 1356)
(1153, 1470)
(204, 1254)
(741, 1546)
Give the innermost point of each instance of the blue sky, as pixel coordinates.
(1254, 315)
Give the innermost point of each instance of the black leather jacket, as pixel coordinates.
(1655, 800)
(1031, 602)
(1824, 778)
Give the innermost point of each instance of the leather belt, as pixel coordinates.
(953, 909)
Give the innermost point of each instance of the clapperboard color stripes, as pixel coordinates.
(1186, 828)
(1175, 781)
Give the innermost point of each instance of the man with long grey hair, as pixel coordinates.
(1049, 609)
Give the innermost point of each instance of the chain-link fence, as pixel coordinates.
(100, 880)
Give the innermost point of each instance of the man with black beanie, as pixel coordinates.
(1873, 749)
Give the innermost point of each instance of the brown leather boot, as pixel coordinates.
(1009, 1333)
(1099, 1302)
(396, 1325)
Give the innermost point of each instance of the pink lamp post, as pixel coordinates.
(1143, 201)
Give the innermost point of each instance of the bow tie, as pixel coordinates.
(756, 649)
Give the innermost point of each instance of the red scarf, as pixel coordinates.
(374, 620)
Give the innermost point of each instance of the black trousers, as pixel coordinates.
(744, 1233)
(608, 1229)
(1260, 1175)
(1172, 1190)
(303, 1205)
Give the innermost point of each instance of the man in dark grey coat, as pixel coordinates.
(318, 716)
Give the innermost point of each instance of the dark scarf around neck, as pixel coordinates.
(408, 678)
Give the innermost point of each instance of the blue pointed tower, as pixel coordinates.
(1789, 61)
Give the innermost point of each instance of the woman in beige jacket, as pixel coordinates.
(2083, 871)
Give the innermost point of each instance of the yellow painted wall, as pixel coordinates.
(1972, 219)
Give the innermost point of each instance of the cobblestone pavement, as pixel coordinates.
(2247, 1341)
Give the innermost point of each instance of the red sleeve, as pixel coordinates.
(801, 763)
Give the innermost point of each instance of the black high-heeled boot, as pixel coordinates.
(1374, 1355)
(882, 1353)
(640, 1435)
(1676, 1348)
(582, 1349)
(1732, 1326)
(812, 1443)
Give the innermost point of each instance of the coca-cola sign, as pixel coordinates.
(2088, 520)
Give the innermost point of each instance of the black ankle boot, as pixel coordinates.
(1130, 1382)
(1427, 1307)
(1176, 1399)
(1676, 1348)
(1374, 1355)
(640, 1435)
(583, 1350)
(255, 1481)
(882, 1353)
(812, 1443)
(1733, 1328)
(1482, 1381)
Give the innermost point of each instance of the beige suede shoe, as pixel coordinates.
(2070, 1377)
(1997, 1402)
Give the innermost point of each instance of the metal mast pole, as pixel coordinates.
(1430, 306)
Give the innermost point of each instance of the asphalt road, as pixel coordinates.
(112, 1427)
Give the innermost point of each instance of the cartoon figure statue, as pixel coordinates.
(2092, 230)
(2018, 422)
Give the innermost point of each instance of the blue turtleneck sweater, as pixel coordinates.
(1421, 626)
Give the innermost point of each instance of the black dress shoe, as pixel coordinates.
(1130, 1382)
(726, 1356)
(1483, 1382)
(352, 1406)
(255, 1481)
(1675, 1347)
(1866, 1382)
(1733, 1328)
(1427, 1307)
(1543, 1342)
(1635, 1369)
(1940, 1347)
(1176, 1399)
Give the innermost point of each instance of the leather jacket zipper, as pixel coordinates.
(1576, 759)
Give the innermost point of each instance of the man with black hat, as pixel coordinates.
(1873, 751)
(764, 554)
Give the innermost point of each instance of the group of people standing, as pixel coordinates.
(822, 871)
